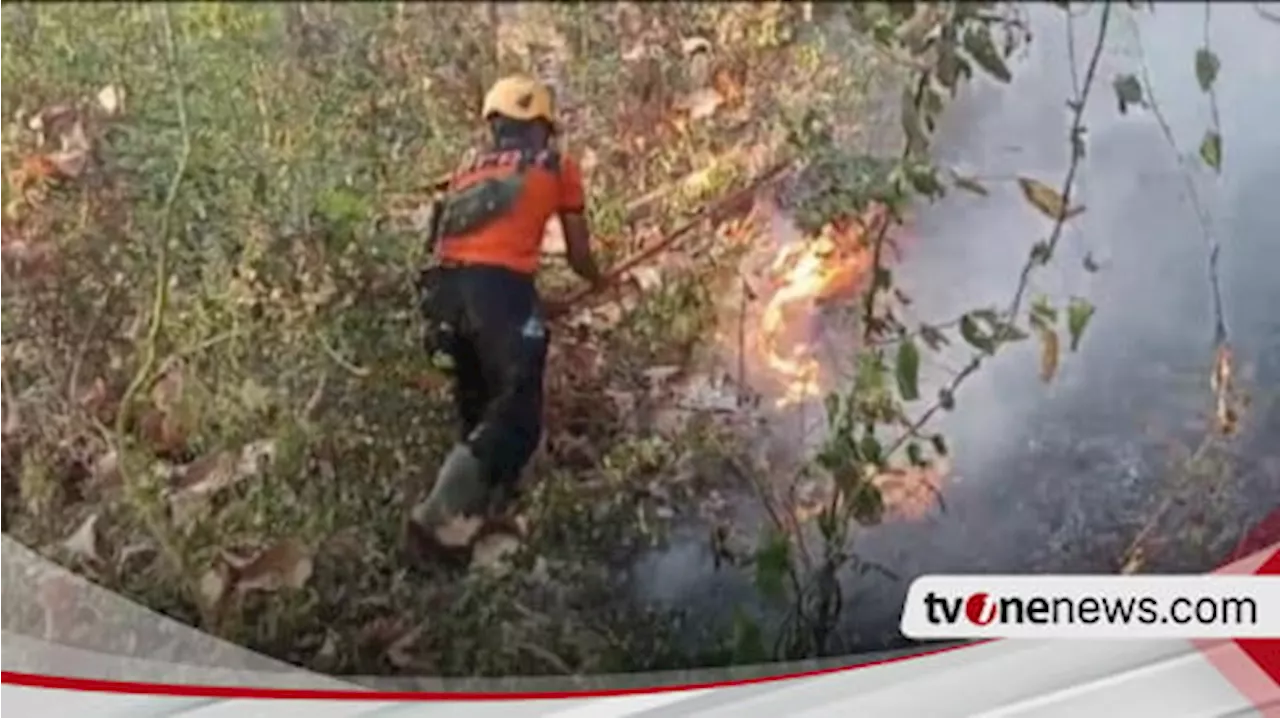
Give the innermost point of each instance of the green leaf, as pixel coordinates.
(1207, 68)
(1211, 150)
(868, 504)
(871, 450)
(773, 560)
(915, 454)
(1042, 312)
(978, 43)
(925, 181)
(973, 334)
(908, 367)
(1128, 92)
(1006, 332)
(939, 444)
(1079, 312)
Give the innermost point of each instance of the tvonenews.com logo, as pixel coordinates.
(983, 609)
(1091, 606)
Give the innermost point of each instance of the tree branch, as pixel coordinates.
(1074, 138)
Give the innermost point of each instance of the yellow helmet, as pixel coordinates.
(519, 97)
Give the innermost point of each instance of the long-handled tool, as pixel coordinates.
(714, 212)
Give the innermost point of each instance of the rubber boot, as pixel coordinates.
(437, 527)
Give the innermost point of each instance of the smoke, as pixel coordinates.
(1060, 477)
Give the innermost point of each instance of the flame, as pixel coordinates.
(808, 273)
(804, 274)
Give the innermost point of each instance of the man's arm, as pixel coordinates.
(577, 240)
(573, 222)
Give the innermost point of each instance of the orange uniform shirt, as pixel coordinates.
(514, 240)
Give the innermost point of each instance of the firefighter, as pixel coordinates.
(485, 323)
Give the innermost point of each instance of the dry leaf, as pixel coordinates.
(1222, 381)
(70, 164)
(73, 157)
(1048, 355)
(1046, 199)
(647, 278)
(12, 422)
(729, 88)
(660, 374)
(207, 474)
(106, 469)
(167, 392)
(694, 45)
(214, 585)
(702, 103)
(214, 472)
(110, 99)
(287, 564)
(50, 116)
(84, 542)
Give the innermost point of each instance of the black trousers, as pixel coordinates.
(487, 323)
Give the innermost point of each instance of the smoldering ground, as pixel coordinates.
(1063, 477)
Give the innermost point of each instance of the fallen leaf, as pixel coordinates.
(167, 391)
(71, 163)
(73, 157)
(110, 99)
(84, 542)
(702, 103)
(214, 585)
(694, 45)
(287, 564)
(51, 119)
(214, 472)
(660, 374)
(106, 469)
(728, 86)
(207, 474)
